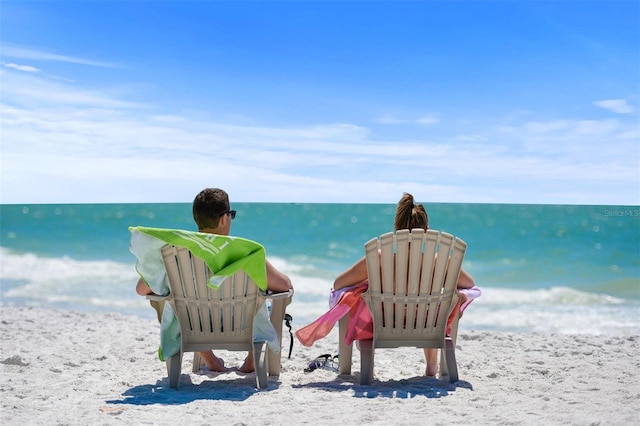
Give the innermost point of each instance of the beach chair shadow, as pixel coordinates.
(221, 318)
(412, 293)
(233, 389)
(410, 388)
(419, 386)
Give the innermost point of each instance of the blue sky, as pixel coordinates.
(328, 101)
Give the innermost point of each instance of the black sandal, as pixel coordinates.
(325, 361)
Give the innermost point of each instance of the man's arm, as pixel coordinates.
(276, 280)
(142, 288)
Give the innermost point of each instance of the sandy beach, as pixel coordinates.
(60, 367)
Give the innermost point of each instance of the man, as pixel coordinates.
(212, 213)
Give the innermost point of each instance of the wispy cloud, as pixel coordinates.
(68, 143)
(619, 106)
(24, 68)
(19, 52)
(546, 127)
(425, 120)
(38, 90)
(110, 154)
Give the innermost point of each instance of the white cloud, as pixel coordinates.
(24, 68)
(19, 52)
(64, 143)
(29, 88)
(471, 138)
(425, 120)
(619, 106)
(597, 127)
(110, 155)
(546, 127)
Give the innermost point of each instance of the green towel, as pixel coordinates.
(224, 255)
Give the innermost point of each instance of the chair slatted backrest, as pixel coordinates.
(412, 283)
(210, 318)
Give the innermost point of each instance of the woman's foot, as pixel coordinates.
(431, 359)
(430, 371)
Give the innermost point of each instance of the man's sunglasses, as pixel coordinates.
(231, 213)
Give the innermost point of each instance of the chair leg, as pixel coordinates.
(174, 368)
(278, 310)
(366, 361)
(345, 352)
(197, 362)
(451, 368)
(260, 364)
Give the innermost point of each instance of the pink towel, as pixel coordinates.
(470, 294)
(343, 301)
(467, 296)
(349, 300)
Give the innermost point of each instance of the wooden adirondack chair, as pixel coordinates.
(220, 318)
(412, 290)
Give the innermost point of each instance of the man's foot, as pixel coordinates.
(213, 363)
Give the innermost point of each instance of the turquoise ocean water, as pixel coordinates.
(542, 268)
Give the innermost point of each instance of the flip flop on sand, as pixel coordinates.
(325, 362)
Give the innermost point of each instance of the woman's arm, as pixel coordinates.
(355, 274)
(465, 280)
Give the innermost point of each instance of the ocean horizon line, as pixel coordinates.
(476, 203)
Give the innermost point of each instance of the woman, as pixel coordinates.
(408, 216)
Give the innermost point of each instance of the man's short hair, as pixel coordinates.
(208, 206)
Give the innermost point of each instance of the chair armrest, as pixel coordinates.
(275, 296)
(157, 297)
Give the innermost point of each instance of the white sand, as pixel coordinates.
(73, 368)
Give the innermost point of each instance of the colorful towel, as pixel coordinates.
(224, 255)
(341, 302)
(360, 327)
(467, 295)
